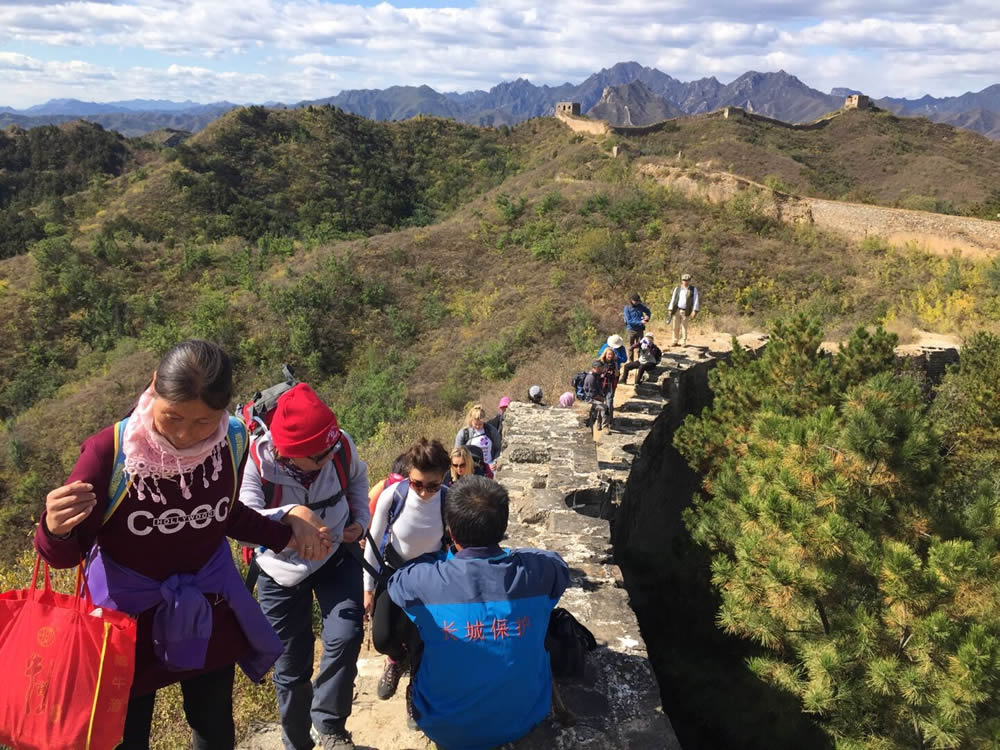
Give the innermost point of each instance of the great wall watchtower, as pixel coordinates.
(568, 108)
(858, 101)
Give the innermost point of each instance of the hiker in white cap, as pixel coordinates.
(683, 306)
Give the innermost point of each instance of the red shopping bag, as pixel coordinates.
(67, 669)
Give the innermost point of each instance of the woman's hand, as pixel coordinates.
(310, 536)
(369, 603)
(352, 532)
(66, 507)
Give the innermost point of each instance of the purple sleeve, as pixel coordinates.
(94, 467)
(247, 525)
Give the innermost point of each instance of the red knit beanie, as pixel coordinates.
(303, 425)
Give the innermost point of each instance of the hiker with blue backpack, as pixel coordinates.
(408, 522)
(303, 462)
(150, 503)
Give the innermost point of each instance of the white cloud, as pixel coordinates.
(882, 46)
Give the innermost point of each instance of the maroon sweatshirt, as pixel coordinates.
(159, 540)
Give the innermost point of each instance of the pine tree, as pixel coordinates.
(853, 539)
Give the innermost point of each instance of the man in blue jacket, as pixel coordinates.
(636, 317)
(483, 677)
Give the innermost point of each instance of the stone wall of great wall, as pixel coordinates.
(935, 233)
(584, 124)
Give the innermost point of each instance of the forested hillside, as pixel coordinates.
(41, 167)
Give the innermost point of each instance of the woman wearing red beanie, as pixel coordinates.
(299, 463)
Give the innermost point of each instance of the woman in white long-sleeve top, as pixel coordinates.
(408, 522)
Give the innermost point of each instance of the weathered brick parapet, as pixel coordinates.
(561, 497)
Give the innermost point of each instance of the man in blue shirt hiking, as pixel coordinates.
(483, 676)
(636, 317)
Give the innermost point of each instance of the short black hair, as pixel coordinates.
(635, 298)
(476, 511)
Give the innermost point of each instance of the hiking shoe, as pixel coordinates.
(411, 721)
(389, 680)
(336, 741)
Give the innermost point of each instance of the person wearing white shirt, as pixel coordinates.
(683, 306)
(408, 522)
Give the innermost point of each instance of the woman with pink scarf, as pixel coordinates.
(155, 537)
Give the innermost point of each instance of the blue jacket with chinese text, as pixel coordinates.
(484, 678)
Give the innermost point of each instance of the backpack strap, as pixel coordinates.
(238, 439)
(120, 482)
(445, 538)
(272, 491)
(341, 460)
(395, 509)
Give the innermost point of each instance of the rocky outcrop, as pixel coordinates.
(633, 104)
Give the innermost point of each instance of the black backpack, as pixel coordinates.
(578, 381)
(568, 642)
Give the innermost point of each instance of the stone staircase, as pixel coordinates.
(638, 406)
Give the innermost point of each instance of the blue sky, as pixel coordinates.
(289, 50)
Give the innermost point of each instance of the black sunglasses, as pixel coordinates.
(426, 486)
(324, 454)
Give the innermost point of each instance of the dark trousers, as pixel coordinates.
(392, 630)
(599, 414)
(394, 634)
(634, 337)
(208, 706)
(643, 369)
(327, 703)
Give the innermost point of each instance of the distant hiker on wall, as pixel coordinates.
(477, 431)
(298, 459)
(595, 393)
(160, 531)
(535, 395)
(649, 357)
(408, 522)
(566, 400)
(481, 674)
(611, 360)
(396, 474)
(617, 345)
(636, 317)
(683, 307)
(497, 421)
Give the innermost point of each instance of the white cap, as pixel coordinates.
(535, 393)
(615, 341)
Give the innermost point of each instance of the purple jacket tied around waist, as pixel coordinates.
(182, 622)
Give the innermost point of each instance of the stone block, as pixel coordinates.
(528, 454)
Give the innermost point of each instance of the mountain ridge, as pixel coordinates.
(776, 94)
